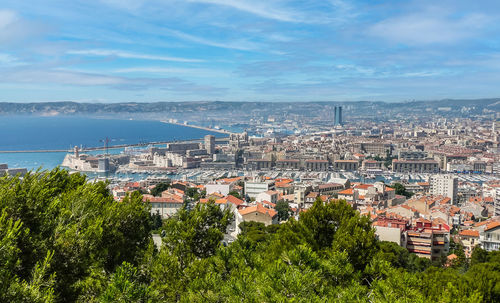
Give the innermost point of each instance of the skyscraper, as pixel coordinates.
(337, 115)
(210, 144)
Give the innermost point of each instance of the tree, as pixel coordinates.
(65, 226)
(401, 190)
(157, 221)
(197, 233)
(283, 209)
(191, 192)
(159, 188)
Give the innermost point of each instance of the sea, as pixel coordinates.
(36, 133)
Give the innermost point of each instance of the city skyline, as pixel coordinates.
(122, 51)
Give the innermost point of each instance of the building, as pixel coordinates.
(490, 237)
(372, 165)
(329, 188)
(259, 213)
(253, 188)
(316, 165)
(349, 165)
(258, 164)
(374, 148)
(427, 241)
(210, 144)
(288, 164)
(444, 185)
(392, 230)
(415, 166)
(469, 238)
(337, 116)
(269, 196)
(5, 170)
(497, 201)
(164, 206)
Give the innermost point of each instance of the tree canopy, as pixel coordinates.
(64, 239)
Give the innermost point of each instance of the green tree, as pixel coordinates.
(159, 188)
(401, 190)
(283, 209)
(197, 233)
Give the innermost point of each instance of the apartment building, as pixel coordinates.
(427, 241)
(444, 185)
(415, 166)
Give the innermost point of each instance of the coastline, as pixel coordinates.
(221, 131)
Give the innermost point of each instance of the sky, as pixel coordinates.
(248, 50)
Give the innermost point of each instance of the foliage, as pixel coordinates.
(65, 240)
(56, 227)
(401, 190)
(283, 209)
(159, 188)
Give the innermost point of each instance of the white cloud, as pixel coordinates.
(128, 55)
(428, 28)
(7, 59)
(7, 17)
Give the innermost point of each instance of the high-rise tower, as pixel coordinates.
(337, 115)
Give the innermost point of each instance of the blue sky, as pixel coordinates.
(248, 50)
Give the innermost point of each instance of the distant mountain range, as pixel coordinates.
(74, 108)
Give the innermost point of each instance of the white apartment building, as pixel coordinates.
(254, 188)
(444, 185)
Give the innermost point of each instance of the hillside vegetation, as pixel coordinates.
(65, 240)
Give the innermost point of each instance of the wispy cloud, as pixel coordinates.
(429, 28)
(197, 72)
(128, 55)
(263, 9)
(239, 44)
(78, 78)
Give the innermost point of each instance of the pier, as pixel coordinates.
(104, 148)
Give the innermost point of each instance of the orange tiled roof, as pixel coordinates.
(469, 233)
(348, 191)
(260, 209)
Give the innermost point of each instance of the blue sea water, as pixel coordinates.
(64, 132)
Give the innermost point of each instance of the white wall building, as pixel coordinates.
(253, 188)
(445, 185)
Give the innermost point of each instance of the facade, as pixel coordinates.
(392, 230)
(497, 202)
(469, 238)
(253, 188)
(164, 206)
(490, 237)
(329, 188)
(415, 166)
(270, 196)
(348, 165)
(444, 185)
(375, 148)
(372, 165)
(221, 188)
(288, 164)
(337, 121)
(210, 144)
(316, 165)
(427, 241)
(259, 213)
(258, 164)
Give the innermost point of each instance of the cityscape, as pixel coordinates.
(219, 151)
